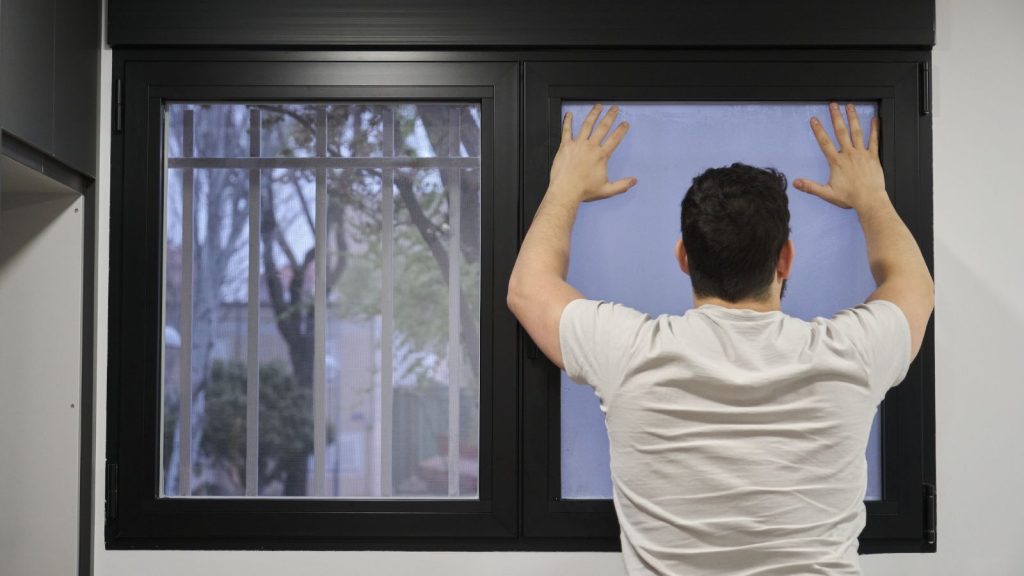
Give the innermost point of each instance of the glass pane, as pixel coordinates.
(425, 131)
(428, 366)
(354, 242)
(172, 333)
(288, 130)
(669, 144)
(389, 380)
(216, 327)
(221, 130)
(356, 130)
(287, 319)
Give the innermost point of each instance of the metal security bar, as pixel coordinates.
(252, 388)
(320, 314)
(185, 370)
(454, 301)
(331, 162)
(387, 340)
(452, 166)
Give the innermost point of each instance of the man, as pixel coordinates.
(737, 433)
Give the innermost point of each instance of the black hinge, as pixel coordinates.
(118, 106)
(930, 513)
(110, 508)
(926, 88)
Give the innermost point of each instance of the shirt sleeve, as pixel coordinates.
(598, 339)
(880, 333)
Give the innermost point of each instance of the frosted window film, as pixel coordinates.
(622, 248)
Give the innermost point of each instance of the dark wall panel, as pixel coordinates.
(680, 23)
(49, 65)
(76, 83)
(26, 63)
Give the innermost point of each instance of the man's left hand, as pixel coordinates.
(580, 167)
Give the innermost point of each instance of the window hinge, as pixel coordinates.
(926, 88)
(930, 513)
(110, 508)
(118, 106)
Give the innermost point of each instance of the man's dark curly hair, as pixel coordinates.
(735, 220)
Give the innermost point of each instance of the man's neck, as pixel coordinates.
(768, 305)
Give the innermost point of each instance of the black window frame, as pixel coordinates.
(521, 509)
(137, 517)
(897, 522)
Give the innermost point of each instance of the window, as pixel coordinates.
(622, 247)
(306, 310)
(309, 343)
(321, 300)
(686, 116)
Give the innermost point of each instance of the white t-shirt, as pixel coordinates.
(737, 437)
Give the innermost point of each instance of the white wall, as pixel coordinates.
(40, 297)
(979, 208)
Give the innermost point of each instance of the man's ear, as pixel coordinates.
(684, 263)
(786, 259)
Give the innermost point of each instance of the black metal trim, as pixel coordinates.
(926, 88)
(87, 439)
(118, 106)
(492, 23)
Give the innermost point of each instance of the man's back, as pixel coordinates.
(737, 437)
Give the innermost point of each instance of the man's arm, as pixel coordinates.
(856, 181)
(537, 290)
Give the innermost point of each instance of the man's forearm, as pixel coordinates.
(892, 250)
(537, 290)
(545, 250)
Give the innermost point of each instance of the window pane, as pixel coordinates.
(425, 131)
(288, 130)
(434, 377)
(613, 259)
(356, 130)
(172, 333)
(214, 328)
(286, 331)
(355, 206)
(356, 380)
(221, 131)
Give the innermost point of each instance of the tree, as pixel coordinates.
(285, 424)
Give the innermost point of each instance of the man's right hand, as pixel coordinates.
(855, 172)
(856, 181)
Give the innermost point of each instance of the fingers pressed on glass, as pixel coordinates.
(588, 122)
(613, 141)
(605, 124)
(855, 131)
(839, 125)
(824, 141)
(567, 127)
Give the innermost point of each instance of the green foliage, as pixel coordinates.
(224, 433)
(285, 414)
